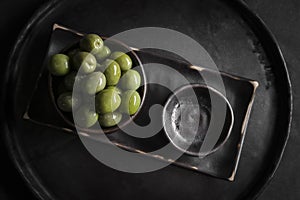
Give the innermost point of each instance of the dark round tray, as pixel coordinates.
(57, 166)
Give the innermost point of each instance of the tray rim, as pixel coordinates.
(34, 183)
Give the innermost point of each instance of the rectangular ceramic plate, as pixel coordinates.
(239, 91)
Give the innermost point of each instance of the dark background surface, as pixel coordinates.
(281, 16)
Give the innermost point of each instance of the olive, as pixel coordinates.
(94, 82)
(122, 59)
(130, 80)
(110, 119)
(131, 101)
(91, 43)
(101, 55)
(112, 72)
(66, 102)
(100, 67)
(69, 80)
(84, 61)
(115, 88)
(108, 100)
(59, 65)
(72, 52)
(88, 100)
(85, 117)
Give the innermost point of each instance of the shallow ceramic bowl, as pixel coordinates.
(195, 115)
(114, 45)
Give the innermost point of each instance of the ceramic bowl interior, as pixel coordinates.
(197, 119)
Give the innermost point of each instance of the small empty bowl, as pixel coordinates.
(197, 119)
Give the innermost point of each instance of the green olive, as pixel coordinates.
(72, 52)
(100, 67)
(122, 59)
(84, 62)
(108, 100)
(69, 80)
(131, 101)
(110, 119)
(112, 72)
(85, 117)
(66, 102)
(59, 65)
(130, 80)
(88, 100)
(101, 55)
(91, 43)
(94, 82)
(115, 88)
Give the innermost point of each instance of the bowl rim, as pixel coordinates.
(197, 85)
(108, 129)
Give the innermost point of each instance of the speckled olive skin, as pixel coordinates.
(118, 90)
(59, 65)
(69, 80)
(112, 72)
(122, 59)
(110, 119)
(84, 62)
(104, 53)
(66, 102)
(85, 117)
(131, 102)
(91, 43)
(108, 100)
(130, 80)
(94, 83)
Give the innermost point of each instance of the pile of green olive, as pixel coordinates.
(107, 76)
